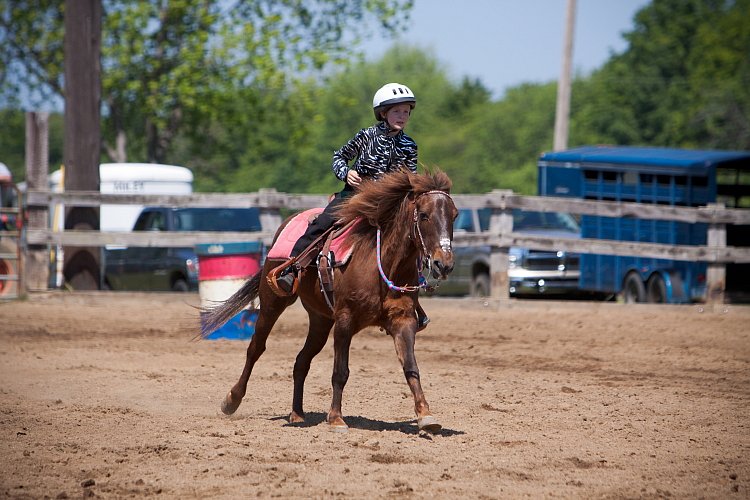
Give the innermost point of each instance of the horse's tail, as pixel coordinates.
(213, 317)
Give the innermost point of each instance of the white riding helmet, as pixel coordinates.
(389, 95)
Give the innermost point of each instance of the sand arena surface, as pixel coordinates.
(107, 395)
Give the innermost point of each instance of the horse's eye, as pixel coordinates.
(423, 216)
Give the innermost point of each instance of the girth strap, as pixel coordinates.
(326, 260)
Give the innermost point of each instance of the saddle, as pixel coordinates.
(331, 249)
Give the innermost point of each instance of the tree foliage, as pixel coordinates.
(258, 94)
(683, 81)
(13, 144)
(169, 66)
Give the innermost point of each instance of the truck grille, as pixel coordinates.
(544, 260)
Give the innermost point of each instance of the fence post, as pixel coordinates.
(36, 263)
(270, 218)
(716, 276)
(501, 223)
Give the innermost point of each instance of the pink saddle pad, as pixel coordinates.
(282, 248)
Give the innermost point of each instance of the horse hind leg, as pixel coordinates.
(342, 339)
(270, 310)
(317, 336)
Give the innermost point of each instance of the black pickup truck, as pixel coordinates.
(171, 268)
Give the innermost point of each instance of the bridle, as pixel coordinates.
(424, 259)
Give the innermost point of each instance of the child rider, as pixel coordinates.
(381, 148)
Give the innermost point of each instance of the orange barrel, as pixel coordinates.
(222, 269)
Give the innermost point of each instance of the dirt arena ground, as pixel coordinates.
(108, 395)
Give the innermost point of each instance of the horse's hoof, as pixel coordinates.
(339, 428)
(296, 418)
(338, 425)
(429, 424)
(228, 407)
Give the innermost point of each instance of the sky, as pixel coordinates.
(505, 43)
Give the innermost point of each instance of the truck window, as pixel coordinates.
(218, 219)
(544, 220)
(523, 219)
(464, 221)
(150, 221)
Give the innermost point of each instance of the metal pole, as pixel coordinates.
(562, 114)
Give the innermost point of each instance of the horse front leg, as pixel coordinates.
(317, 336)
(404, 335)
(342, 340)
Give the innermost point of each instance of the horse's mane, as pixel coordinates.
(382, 202)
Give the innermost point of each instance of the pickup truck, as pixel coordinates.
(170, 268)
(531, 273)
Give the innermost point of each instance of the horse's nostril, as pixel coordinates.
(440, 269)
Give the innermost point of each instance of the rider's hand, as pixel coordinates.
(353, 178)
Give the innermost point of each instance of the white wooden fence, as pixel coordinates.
(500, 236)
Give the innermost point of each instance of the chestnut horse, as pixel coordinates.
(406, 221)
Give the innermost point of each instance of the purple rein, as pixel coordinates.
(391, 285)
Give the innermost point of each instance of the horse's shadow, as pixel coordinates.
(313, 419)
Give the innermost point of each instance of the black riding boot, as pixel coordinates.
(286, 278)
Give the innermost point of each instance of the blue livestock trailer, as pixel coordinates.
(674, 177)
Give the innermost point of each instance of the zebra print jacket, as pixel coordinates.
(376, 153)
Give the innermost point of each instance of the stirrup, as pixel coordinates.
(273, 277)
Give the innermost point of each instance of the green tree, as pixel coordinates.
(13, 141)
(719, 66)
(506, 138)
(683, 81)
(169, 67)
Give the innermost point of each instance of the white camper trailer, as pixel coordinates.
(129, 178)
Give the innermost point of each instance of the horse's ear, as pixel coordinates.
(442, 180)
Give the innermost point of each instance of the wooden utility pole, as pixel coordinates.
(83, 34)
(562, 115)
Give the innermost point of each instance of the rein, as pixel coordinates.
(423, 255)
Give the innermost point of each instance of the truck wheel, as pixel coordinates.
(633, 289)
(480, 285)
(180, 285)
(656, 290)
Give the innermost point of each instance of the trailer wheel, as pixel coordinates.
(633, 289)
(480, 285)
(656, 290)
